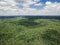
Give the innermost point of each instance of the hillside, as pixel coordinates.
(29, 31)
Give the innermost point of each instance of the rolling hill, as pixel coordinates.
(30, 31)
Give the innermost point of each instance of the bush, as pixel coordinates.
(52, 36)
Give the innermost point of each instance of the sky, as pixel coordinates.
(29, 7)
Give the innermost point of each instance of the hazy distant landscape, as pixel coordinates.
(30, 30)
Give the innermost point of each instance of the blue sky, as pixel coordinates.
(29, 7)
(44, 1)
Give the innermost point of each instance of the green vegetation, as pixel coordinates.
(24, 31)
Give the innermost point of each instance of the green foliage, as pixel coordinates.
(24, 31)
(52, 36)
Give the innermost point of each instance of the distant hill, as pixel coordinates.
(36, 17)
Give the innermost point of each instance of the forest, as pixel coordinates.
(29, 31)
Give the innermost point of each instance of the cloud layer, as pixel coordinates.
(29, 7)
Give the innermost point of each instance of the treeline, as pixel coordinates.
(32, 17)
(43, 17)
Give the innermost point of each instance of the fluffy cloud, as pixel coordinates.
(9, 7)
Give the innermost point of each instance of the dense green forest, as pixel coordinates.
(29, 31)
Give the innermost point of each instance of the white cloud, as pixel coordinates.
(8, 7)
(36, 0)
(38, 4)
(25, 3)
(48, 3)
